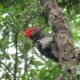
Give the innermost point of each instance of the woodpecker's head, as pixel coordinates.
(31, 33)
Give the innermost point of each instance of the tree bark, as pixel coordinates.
(67, 57)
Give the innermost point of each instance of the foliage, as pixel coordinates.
(15, 17)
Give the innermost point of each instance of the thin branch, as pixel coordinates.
(28, 20)
(16, 56)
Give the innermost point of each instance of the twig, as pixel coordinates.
(6, 68)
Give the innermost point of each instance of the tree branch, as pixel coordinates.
(67, 54)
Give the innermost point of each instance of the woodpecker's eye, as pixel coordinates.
(35, 35)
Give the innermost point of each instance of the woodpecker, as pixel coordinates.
(45, 44)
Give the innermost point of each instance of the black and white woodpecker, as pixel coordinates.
(45, 44)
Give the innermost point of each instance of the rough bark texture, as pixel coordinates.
(67, 57)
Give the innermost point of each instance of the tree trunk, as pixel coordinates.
(67, 57)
